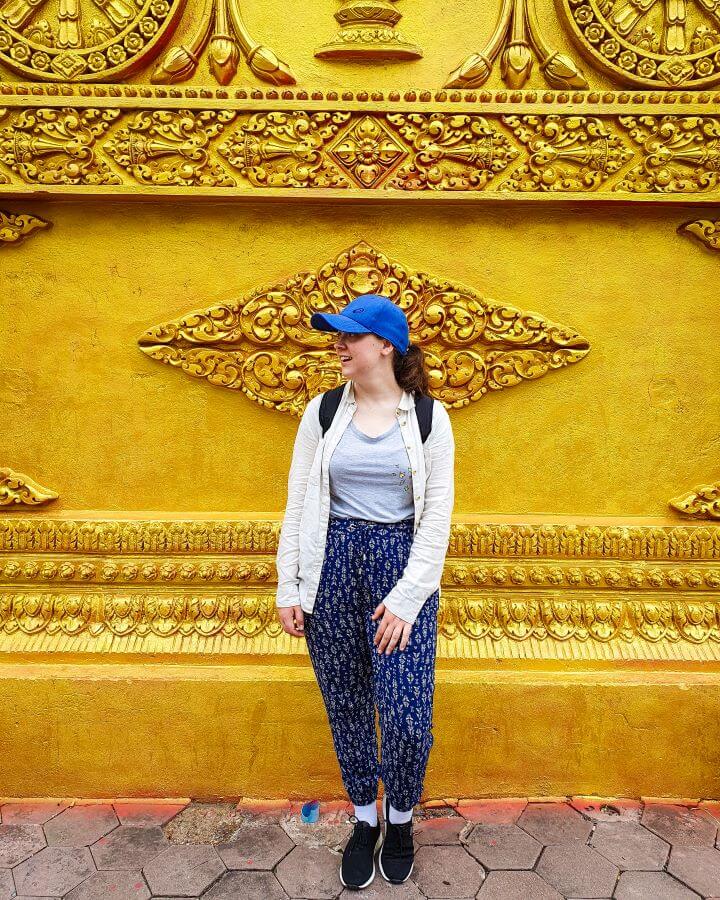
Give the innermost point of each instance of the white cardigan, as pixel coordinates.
(301, 548)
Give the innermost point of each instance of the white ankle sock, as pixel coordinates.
(397, 817)
(367, 813)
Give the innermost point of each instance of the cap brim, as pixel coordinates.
(336, 322)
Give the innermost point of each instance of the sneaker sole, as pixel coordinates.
(359, 887)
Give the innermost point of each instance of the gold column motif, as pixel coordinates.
(17, 489)
(367, 31)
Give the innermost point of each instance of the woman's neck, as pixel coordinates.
(378, 391)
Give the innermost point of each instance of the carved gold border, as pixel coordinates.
(552, 592)
(535, 145)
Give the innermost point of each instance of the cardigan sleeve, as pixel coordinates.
(423, 572)
(288, 554)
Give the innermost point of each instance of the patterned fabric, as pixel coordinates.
(363, 560)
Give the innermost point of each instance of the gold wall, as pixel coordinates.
(537, 226)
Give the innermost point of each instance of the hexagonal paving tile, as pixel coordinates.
(53, 871)
(503, 847)
(697, 868)
(608, 809)
(447, 872)
(383, 890)
(146, 812)
(305, 872)
(655, 885)
(492, 812)
(525, 885)
(115, 885)
(255, 847)
(684, 825)
(32, 812)
(443, 830)
(129, 847)
(246, 885)
(630, 846)
(577, 871)
(7, 885)
(79, 826)
(17, 842)
(554, 823)
(184, 869)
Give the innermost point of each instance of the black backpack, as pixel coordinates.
(331, 400)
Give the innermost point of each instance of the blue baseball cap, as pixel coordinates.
(368, 314)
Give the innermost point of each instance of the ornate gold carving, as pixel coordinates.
(518, 31)
(57, 146)
(459, 152)
(573, 153)
(702, 503)
(171, 147)
(367, 31)
(75, 40)
(705, 230)
(17, 489)
(286, 149)
(367, 151)
(680, 154)
(263, 344)
(15, 228)
(223, 20)
(675, 42)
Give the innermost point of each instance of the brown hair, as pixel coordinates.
(410, 370)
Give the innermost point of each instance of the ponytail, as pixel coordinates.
(410, 370)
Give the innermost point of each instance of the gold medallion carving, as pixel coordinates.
(263, 344)
(661, 43)
(16, 228)
(367, 31)
(79, 40)
(705, 230)
(17, 489)
(702, 503)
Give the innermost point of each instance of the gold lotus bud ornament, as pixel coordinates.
(561, 71)
(516, 64)
(178, 64)
(472, 73)
(266, 65)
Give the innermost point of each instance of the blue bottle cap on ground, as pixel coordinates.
(310, 811)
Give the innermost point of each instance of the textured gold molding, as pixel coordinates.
(17, 489)
(122, 140)
(522, 591)
(15, 228)
(705, 230)
(701, 503)
(264, 346)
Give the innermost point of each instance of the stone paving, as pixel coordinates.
(510, 849)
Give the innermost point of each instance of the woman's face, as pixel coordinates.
(360, 353)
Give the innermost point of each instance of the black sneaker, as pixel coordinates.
(358, 862)
(397, 855)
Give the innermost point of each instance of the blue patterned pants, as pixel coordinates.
(363, 561)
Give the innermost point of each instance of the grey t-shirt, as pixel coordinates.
(370, 477)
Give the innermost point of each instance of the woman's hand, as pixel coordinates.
(293, 620)
(391, 630)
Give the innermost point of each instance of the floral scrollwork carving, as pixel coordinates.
(705, 230)
(264, 346)
(451, 152)
(57, 146)
(281, 149)
(17, 489)
(570, 153)
(681, 154)
(702, 503)
(14, 229)
(171, 147)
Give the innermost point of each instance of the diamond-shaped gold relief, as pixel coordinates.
(368, 152)
(263, 344)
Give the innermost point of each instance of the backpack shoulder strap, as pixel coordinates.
(329, 406)
(424, 410)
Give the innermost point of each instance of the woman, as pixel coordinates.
(360, 557)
